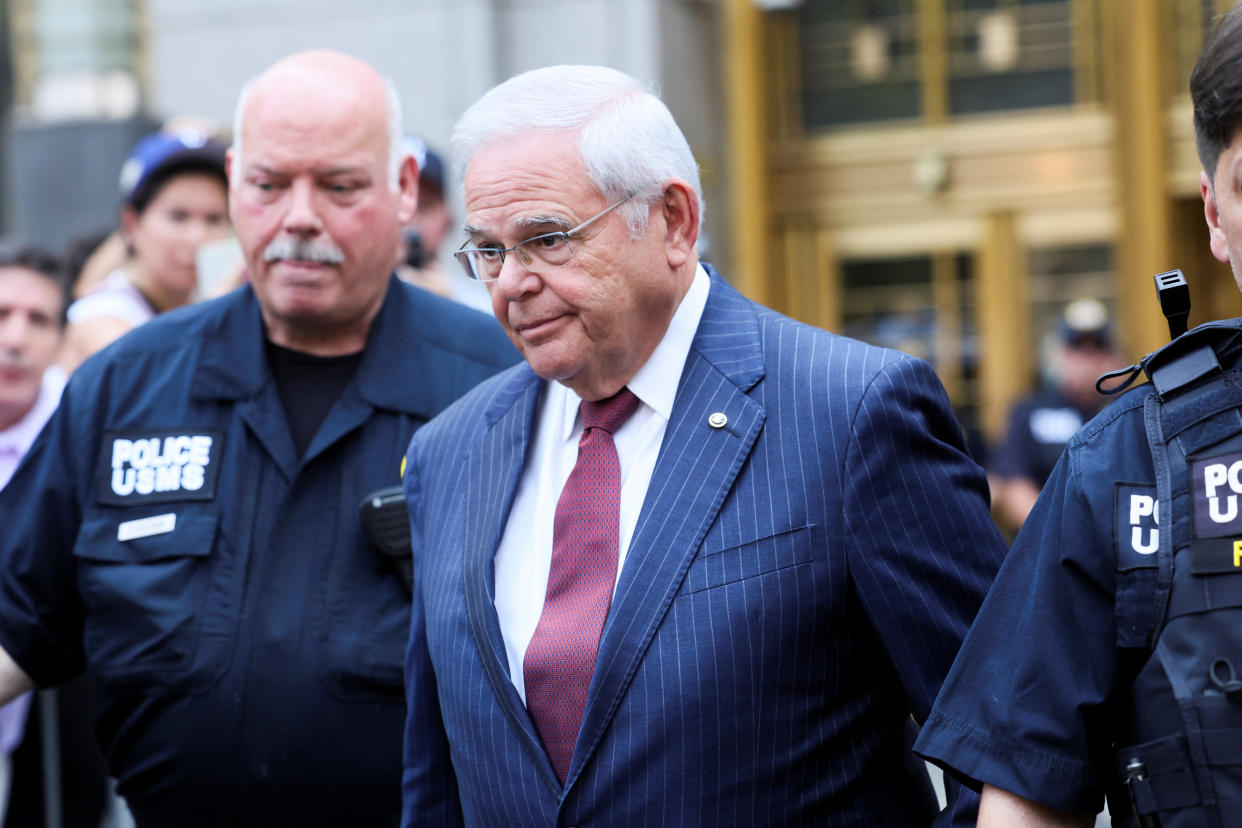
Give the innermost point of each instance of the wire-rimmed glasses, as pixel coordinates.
(484, 263)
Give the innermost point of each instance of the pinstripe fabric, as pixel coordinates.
(796, 588)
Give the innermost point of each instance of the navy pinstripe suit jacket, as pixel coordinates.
(796, 588)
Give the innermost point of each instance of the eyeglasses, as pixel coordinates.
(484, 263)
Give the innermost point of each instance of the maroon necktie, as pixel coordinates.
(561, 656)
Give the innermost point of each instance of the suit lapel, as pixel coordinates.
(493, 470)
(698, 464)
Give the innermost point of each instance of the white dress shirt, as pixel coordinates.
(525, 552)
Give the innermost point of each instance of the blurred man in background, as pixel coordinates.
(418, 259)
(32, 315)
(1041, 424)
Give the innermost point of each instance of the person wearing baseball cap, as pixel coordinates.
(174, 195)
(418, 252)
(1041, 424)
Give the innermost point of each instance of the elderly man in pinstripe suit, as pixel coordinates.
(694, 563)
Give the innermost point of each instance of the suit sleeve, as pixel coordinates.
(428, 785)
(922, 545)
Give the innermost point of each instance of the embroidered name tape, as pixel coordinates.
(1210, 556)
(158, 466)
(146, 527)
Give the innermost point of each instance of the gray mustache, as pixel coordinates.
(307, 250)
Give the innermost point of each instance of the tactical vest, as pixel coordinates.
(1180, 761)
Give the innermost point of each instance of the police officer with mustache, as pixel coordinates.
(186, 530)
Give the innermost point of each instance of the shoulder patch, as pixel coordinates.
(1136, 520)
(139, 466)
(1215, 487)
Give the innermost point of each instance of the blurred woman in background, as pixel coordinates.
(175, 194)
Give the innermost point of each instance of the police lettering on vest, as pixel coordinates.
(1136, 523)
(151, 467)
(1217, 486)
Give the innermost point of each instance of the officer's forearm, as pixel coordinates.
(13, 679)
(1001, 809)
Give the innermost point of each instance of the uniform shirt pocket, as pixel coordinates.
(144, 596)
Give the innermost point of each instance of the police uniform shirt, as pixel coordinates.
(1040, 426)
(1031, 704)
(244, 638)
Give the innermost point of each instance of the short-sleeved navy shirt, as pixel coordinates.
(1029, 703)
(244, 638)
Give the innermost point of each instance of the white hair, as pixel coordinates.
(396, 153)
(627, 138)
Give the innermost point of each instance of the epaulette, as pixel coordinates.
(1193, 357)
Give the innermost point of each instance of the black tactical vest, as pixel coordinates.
(1181, 756)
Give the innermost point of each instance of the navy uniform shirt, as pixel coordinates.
(1031, 702)
(1040, 426)
(244, 637)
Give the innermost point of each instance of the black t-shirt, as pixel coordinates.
(308, 387)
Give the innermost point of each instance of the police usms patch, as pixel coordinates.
(1215, 492)
(141, 466)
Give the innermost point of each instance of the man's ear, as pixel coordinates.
(1216, 235)
(681, 221)
(407, 189)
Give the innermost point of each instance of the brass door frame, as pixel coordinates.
(1117, 167)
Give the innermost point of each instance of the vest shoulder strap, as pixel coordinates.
(1194, 356)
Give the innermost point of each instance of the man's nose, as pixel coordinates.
(515, 279)
(302, 217)
(14, 332)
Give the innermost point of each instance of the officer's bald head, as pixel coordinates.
(320, 75)
(318, 191)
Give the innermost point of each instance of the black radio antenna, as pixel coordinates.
(1174, 296)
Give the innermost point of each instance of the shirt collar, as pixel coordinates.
(232, 365)
(656, 382)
